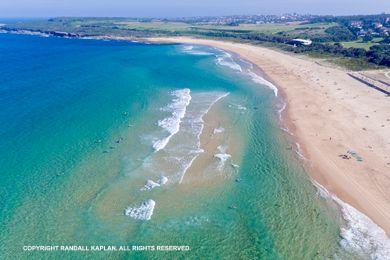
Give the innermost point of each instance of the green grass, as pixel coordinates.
(107, 24)
(154, 26)
(353, 63)
(360, 44)
(258, 28)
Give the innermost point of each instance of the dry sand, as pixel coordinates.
(330, 113)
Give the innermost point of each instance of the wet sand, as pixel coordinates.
(203, 171)
(329, 113)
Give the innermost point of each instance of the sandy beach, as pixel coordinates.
(341, 124)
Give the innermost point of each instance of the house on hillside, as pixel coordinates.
(301, 42)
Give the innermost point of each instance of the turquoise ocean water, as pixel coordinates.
(107, 143)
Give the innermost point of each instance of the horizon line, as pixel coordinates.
(177, 17)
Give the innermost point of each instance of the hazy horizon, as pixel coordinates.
(186, 8)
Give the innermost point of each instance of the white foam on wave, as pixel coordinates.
(226, 59)
(285, 129)
(222, 156)
(237, 106)
(360, 234)
(260, 80)
(298, 151)
(282, 125)
(184, 157)
(235, 166)
(240, 107)
(200, 122)
(185, 167)
(143, 212)
(216, 100)
(281, 110)
(218, 130)
(190, 49)
(178, 110)
(150, 184)
(185, 146)
(163, 180)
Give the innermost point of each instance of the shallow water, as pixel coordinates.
(85, 124)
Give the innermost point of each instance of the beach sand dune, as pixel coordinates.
(343, 126)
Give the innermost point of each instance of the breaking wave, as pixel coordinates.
(218, 130)
(172, 124)
(195, 50)
(142, 212)
(260, 80)
(222, 156)
(226, 59)
(150, 184)
(196, 123)
(359, 234)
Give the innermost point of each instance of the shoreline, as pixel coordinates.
(304, 82)
(262, 192)
(324, 135)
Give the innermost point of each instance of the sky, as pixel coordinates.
(180, 8)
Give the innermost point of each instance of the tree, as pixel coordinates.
(367, 38)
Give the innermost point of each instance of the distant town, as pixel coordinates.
(370, 25)
(235, 20)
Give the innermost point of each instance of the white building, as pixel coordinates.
(302, 41)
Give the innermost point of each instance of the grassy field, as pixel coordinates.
(361, 44)
(154, 26)
(293, 28)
